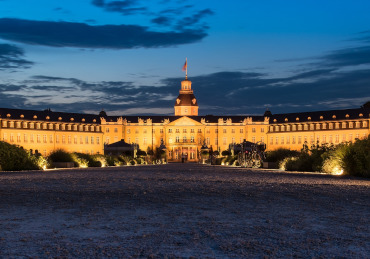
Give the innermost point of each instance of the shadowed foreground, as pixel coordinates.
(182, 210)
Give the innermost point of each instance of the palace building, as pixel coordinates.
(184, 133)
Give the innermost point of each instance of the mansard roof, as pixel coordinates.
(208, 118)
(331, 115)
(48, 115)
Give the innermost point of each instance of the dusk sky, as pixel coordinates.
(126, 56)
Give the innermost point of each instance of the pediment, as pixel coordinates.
(185, 121)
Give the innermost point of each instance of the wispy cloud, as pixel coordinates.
(11, 58)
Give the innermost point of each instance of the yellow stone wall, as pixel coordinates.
(48, 136)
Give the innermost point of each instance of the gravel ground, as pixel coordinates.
(182, 210)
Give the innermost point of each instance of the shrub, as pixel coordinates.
(60, 155)
(86, 160)
(14, 158)
(356, 161)
(280, 154)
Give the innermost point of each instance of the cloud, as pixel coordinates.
(11, 57)
(193, 19)
(125, 7)
(81, 35)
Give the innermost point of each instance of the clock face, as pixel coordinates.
(178, 100)
(194, 100)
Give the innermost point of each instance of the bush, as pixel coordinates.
(334, 159)
(356, 161)
(14, 158)
(86, 160)
(60, 155)
(280, 154)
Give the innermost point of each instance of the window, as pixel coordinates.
(277, 140)
(224, 141)
(271, 141)
(177, 130)
(128, 131)
(330, 139)
(145, 142)
(232, 130)
(330, 125)
(282, 140)
(169, 130)
(241, 130)
(137, 140)
(192, 139)
(293, 140)
(177, 140)
(63, 139)
(350, 125)
(199, 130)
(92, 140)
(305, 139)
(287, 140)
(317, 126)
(44, 138)
(312, 126)
(38, 138)
(324, 126)
(282, 128)
(69, 140)
(184, 139)
(86, 140)
(312, 140)
(337, 125)
(160, 131)
(56, 138)
(344, 137)
(216, 141)
(299, 139)
(287, 128)
(192, 131)
(75, 139)
(136, 131)
(232, 140)
(224, 131)
(324, 138)
(207, 141)
(253, 139)
(115, 130)
(82, 140)
(350, 137)
(299, 127)
(276, 128)
(253, 129)
(216, 130)
(305, 127)
(294, 128)
(25, 139)
(336, 138)
(98, 140)
(107, 130)
(364, 124)
(106, 140)
(184, 130)
(145, 131)
(357, 124)
(18, 137)
(208, 131)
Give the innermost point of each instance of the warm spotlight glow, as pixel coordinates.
(337, 171)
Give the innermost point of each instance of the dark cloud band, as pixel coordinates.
(81, 35)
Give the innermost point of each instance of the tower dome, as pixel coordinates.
(186, 103)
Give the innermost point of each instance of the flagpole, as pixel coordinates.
(186, 76)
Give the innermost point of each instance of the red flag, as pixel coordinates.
(185, 66)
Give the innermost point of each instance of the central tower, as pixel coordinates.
(186, 104)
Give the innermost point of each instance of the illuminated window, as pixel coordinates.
(25, 139)
(169, 130)
(75, 139)
(128, 131)
(56, 139)
(241, 130)
(324, 138)
(184, 130)
(98, 140)
(224, 141)
(224, 130)
(199, 130)
(282, 140)
(160, 131)
(208, 141)
(293, 140)
(191, 130)
(177, 130)
(216, 130)
(277, 140)
(44, 138)
(115, 130)
(145, 131)
(177, 140)
(192, 139)
(336, 138)
(233, 140)
(271, 140)
(232, 130)
(18, 137)
(299, 139)
(253, 139)
(330, 139)
(38, 138)
(69, 139)
(63, 139)
(344, 137)
(364, 124)
(184, 139)
(287, 140)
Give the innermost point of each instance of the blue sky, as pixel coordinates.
(126, 56)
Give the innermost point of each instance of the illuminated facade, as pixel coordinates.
(182, 134)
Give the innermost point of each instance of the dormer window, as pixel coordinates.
(22, 116)
(347, 115)
(309, 118)
(72, 119)
(47, 117)
(334, 117)
(60, 118)
(8, 115)
(35, 117)
(361, 115)
(321, 117)
(297, 119)
(83, 119)
(286, 119)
